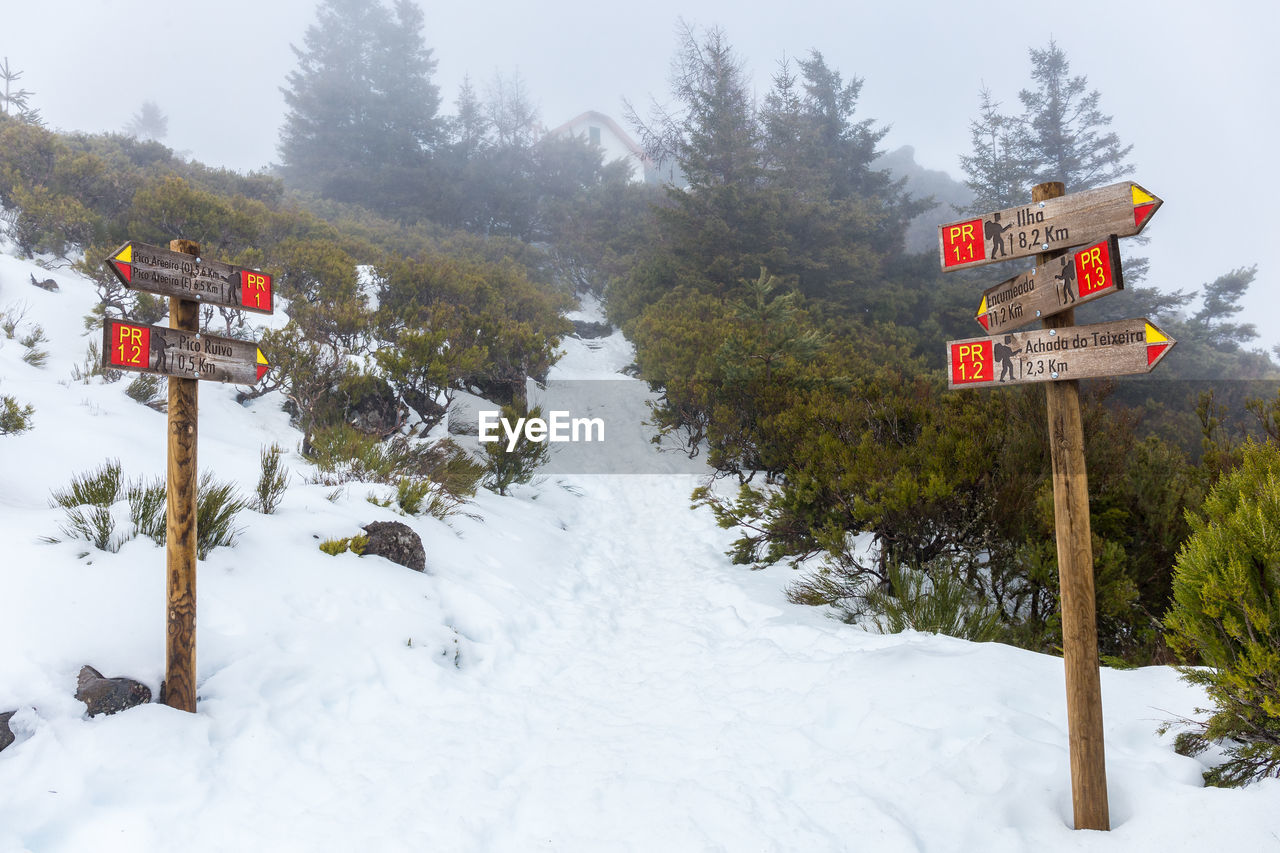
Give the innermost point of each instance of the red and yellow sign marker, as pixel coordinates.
(155, 270)
(1157, 344)
(1144, 204)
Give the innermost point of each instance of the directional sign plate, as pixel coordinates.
(172, 352)
(155, 270)
(1043, 355)
(1059, 223)
(1063, 283)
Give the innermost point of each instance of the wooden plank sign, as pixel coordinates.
(1122, 209)
(1118, 348)
(177, 352)
(149, 268)
(1050, 288)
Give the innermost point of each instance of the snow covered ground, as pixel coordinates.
(580, 670)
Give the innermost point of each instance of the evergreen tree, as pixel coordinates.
(1064, 133)
(148, 123)
(362, 108)
(14, 101)
(998, 175)
(1061, 135)
(1220, 301)
(714, 138)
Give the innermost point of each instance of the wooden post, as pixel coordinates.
(179, 689)
(1075, 577)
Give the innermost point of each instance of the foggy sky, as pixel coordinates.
(1190, 84)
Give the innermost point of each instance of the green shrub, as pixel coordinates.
(11, 317)
(149, 390)
(273, 480)
(412, 495)
(89, 499)
(936, 602)
(504, 468)
(87, 502)
(34, 337)
(147, 501)
(217, 505)
(354, 544)
(15, 418)
(36, 357)
(51, 222)
(101, 487)
(1226, 616)
(434, 479)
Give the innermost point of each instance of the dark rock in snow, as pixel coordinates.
(397, 542)
(109, 695)
(428, 409)
(370, 406)
(587, 329)
(6, 733)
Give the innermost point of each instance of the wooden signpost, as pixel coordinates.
(1059, 355)
(1119, 348)
(1065, 282)
(174, 352)
(180, 275)
(186, 356)
(1047, 225)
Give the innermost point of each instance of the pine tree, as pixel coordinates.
(714, 137)
(998, 175)
(362, 108)
(149, 122)
(1064, 132)
(14, 101)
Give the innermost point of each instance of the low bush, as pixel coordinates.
(1226, 616)
(273, 480)
(15, 418)
(504, 468)
(89, 500)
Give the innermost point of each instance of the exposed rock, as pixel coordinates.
(109, 695)
(6, 733)
(428, 409)
(587, 329)
(396, 541)
(373, 409)
(47, 284)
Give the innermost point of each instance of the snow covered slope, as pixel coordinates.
(580, 670)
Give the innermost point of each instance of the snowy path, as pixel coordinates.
(582, 670)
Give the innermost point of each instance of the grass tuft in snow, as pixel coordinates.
(89, 499)
(15, 418)
(92, 367)
(273, 480)
(354, 544)
(148, 390)
(435, 479)
(935, 602)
